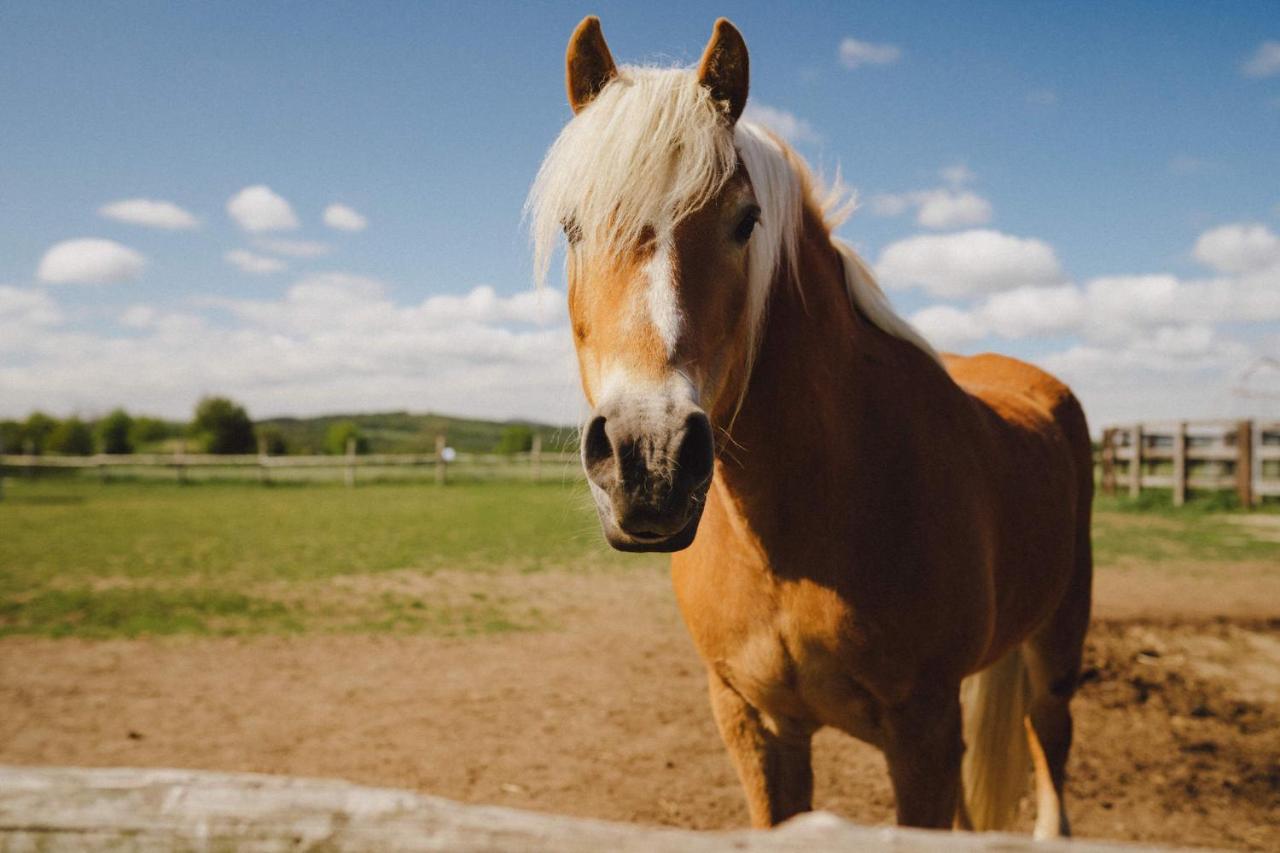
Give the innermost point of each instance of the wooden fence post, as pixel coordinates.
(1135, 461)
(535, 456)
(1109, 461)
(1244, 463)
(441, 476)
(1180, 464)
(178, 453)
(264, 473)
(350, 470)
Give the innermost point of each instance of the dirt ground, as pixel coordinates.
(604, 714)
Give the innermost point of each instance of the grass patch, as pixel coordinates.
(88, 559)
(134, 612)
(1209, 529)
(80, 558)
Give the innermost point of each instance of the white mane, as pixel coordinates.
(654, 147)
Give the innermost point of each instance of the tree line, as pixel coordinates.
(218, 425)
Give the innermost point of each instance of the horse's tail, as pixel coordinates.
(996, 757)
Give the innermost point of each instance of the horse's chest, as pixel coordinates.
(789, 653)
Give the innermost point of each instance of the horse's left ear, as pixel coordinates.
(724, 69)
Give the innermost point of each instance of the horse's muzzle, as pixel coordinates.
(649, 468)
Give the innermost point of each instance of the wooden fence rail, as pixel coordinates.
(532, 465)
(1184, 456)
(116, 809)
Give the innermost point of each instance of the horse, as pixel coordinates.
(865, 534)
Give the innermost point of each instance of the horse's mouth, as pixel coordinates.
(638, 541)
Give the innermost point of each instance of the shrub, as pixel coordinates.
(72, 437)
(335, 438)
(223, 426)
(36, 432)
(115, 432)
(150, 431)
(516, 438)
(271, 440)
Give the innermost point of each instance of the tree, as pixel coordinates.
(36, 432)
(72, 437)
(115, 432)
(150, 431)
(335, 438)
(516, 438)
(223, 426)
(271, 440)
(10, 436)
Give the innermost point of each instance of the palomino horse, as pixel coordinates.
(865, 530)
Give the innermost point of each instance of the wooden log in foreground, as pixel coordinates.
(56, 809)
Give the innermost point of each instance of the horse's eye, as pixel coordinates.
(747, 224)
(571, 230)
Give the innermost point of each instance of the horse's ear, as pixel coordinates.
(724, 69)
(588, 64)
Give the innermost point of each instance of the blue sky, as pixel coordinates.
(1109, 174)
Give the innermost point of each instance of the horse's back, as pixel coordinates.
(1024, 397)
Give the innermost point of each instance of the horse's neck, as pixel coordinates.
(829, 392)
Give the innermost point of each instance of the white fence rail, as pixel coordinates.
(351, 468)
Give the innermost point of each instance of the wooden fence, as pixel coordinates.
(56, 809)
(1184, 456)
(441, 466)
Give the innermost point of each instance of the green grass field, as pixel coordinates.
(123, 559)
(80, 558)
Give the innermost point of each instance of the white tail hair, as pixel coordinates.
(997, 756)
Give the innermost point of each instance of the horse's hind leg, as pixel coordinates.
(1053, 657)
(773, 758)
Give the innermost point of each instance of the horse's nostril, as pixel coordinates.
(596, 448)
(696, 458)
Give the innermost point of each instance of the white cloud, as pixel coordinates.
(957, 175)
(967, 263)
(1034, 311)
(258, 208)
(247, 261)
(139, 316)
(855, 53)
(948, 327)
(786, 124)
(940, 209)
(1265, 62)
(943, 209)
(23, 307)
(1238, 248)
(295, 248)
(149, 212)
(89, 261)
(344, 218)
(332, 342)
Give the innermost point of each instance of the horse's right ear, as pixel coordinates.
(588, 64)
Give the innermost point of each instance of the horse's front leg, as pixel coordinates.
(772, 757)
(924, 748)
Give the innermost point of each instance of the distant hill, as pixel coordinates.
(402, 432)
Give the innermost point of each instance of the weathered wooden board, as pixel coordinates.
(118, 809)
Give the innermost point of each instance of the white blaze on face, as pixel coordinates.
(661, 300)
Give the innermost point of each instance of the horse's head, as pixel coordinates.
(650, 185)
